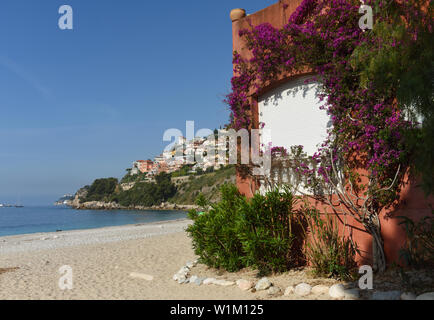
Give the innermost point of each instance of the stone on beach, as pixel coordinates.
(143, 276)
(184, 270)
(337, 291)
(426, 296)
(208, 281)
(272, 291)
(182, 279)
(181, 275)
(263, 284)
(303, 289)
(290, 290)
(192, 279)
(223, 283)
(245, 285)
(320, 289)
(408, 296)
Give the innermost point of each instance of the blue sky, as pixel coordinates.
(80, 104)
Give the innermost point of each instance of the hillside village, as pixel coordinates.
(191, 153)
(173, 180)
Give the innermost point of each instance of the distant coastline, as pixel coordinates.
(166, 193)
(36, 219)
(101, 205)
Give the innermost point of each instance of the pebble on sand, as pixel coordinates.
(426, 296)
(303, 289)
(223, 283)
(337, 291)
(245, 285)
(408, 296)
(290, 290)
(263, 284)
(143, 276)
(181, 279)
(272, 291)
(320, 289)
(184, 270)
(209, 281)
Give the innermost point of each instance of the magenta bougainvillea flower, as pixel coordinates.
(322, 36)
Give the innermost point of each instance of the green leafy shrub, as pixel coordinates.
(214, 232)
(146, 193)
(419, 248)
(329, 253)
(204, 184)
(101, 189)
(237, 232)
(139, 177)
(268, 227)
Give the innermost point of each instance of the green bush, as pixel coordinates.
(267, 227)
(330, 254)
(214, 232)
(146, 193)
(237, 232)
(101, 189)
(139, 177)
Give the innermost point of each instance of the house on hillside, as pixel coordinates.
(140, 166)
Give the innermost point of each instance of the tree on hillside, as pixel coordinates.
(101, 189)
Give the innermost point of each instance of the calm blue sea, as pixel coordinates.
(50, 219)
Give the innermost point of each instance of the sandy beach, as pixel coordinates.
(135, 262)
(102, 261)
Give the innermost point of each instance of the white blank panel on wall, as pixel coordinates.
(291, 112)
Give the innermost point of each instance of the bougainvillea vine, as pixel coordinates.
(323, 38)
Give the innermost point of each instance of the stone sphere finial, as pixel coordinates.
(237, 14)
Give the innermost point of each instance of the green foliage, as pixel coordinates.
(422, 142)
(146, 193)
(204, 184)
(184, 171)
(214, 233)
(237, 232)
(101, 189)
(201, 200)
(403, 63)
(267, 227)
(419, 248)
(329, 253)
(134, 178)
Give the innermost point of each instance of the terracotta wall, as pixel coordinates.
(413, 202)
